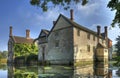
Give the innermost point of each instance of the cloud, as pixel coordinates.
(89, 8)
(113, 33)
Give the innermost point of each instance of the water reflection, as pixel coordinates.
(98, 70)
(22, 72)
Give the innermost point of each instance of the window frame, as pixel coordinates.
(78, 32)
(88, 48)
(94, 37)
(57, 43)
(88, 36)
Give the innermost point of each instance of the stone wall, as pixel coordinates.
(81, 42)
(40, 57)
(10, 51)
(60, 46)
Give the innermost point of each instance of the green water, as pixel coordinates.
(58, 71)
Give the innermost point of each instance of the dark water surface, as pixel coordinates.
(57, 71)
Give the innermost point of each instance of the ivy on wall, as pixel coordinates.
(25, 49)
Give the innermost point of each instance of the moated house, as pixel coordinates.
(17, 40)
(68, 42)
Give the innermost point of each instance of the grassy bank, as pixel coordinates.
(3, 61)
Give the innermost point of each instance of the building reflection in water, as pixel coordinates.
(10, 71)
(98, 70)
(101, 70)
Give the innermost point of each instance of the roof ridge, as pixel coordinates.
(22, 37)
(72, 22)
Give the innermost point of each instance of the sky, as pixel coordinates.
(21, 16)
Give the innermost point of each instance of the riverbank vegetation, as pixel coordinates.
(25, 54)
(3, 57)
(117, 57)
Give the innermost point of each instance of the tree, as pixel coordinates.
(44, 4)
(117, 46)
(4, 54)
(115, 6)
(25, 49)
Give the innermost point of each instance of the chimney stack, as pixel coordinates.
(98, 30)
(27, 34)
(106, 32)
(71, 15)
(54, 22)
(10, 33)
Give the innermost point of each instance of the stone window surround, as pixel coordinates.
(57, 43)
(88, 48)
(94, 37)
(88, 36)
(78, 32)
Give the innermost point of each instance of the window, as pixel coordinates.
(88, 48)
(57, 43)
(102, 41)
(105, 50)
(94, 37)
(78, 32)
(76, 48)
(56, 34)
(93, 48)
(88, 35)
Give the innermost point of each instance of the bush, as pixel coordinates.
(32, 58)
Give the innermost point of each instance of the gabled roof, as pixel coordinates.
(18, 39)
(74, 24)
(46, 32)
(99, 45)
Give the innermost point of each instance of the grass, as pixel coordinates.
(112, 62)
(3, 61)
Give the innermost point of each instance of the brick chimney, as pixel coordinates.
(10, 33)
(71, 15)
(105, 31)
(98, 30)
(27, 34)
(54, 22)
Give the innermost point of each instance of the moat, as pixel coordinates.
(58, 71)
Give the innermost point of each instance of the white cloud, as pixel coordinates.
(113, 33)
(89, 8)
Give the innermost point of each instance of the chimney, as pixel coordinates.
(71, 15)
(10, 33)
(98, 30)
(27, 34)
(54, 22)
(106, 32)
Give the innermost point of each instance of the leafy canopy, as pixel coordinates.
(66, 4)
(45, 4)
(117, 46)
(115, 6)
(25, 49)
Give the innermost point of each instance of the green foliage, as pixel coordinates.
(45, 4)
(117, 46)
(19, 73)
(23, 74)
(115, 5)
(25, 49)
(3, 54)
(118, 61)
